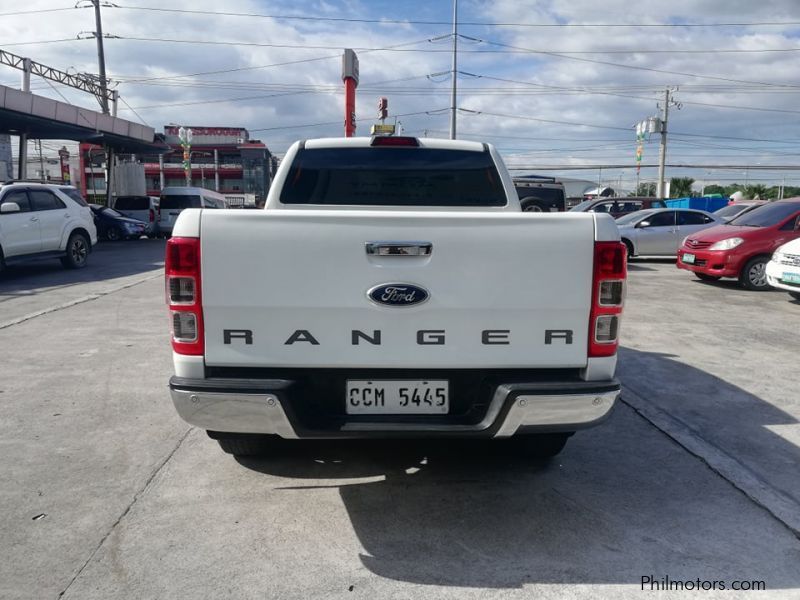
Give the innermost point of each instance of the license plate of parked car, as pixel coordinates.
(791, 277)
(392, 397)
(688, 259)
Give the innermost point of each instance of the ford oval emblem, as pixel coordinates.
(398, 294)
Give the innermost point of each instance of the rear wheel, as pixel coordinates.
(113, 234)
(704, 277)
(538, 445)
(77, 252)
(754, 274)
(531, 205)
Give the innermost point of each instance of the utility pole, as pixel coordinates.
(662, 156)
(455, 72)
(101, 56)
(41, 160)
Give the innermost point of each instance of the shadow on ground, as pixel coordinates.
(621, 502)
(108, 260)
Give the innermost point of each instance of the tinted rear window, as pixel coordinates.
(132, 203)
(168, 202)
(393, 177)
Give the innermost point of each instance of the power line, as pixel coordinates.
(133, 110)
(623, 66)
(38, 11)
(464, 23)
(423, 112)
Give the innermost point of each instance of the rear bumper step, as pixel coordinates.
(265, 406)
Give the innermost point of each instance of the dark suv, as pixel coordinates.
(616, 207)
(540, 194)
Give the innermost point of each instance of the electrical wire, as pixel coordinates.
(461, 23)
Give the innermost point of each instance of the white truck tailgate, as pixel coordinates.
(276, 273)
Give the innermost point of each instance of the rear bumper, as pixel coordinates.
(715, 263)
(265, 406)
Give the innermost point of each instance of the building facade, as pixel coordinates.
(223, 159)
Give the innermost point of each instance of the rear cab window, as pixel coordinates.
(172, 202)
(132, 203)
(393, 177)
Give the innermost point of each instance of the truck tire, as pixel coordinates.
(754, 274)
(531, 205)
(77, 252)
(538, 445)
(245, 444)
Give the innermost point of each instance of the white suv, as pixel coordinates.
(40, 220)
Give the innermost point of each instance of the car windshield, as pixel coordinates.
(181, 201)
(633, 217)
(731, 210)
(582, 206)
(766, 215)
(393, 176)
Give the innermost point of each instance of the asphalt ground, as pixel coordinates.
(106, 493)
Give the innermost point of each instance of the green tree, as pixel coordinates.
(753, 190)
(680, 187)
(646, 189)
(714, 189)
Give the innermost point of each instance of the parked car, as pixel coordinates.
(659, 231)
(143, 208)
(731, 211)
(617, 207)
(113, 225)
(783, 271)
(175, 199)
(39, 221)
(540, 194)
(743, 247)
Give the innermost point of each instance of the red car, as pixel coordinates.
(742, 248)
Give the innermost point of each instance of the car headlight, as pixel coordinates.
(777, 257)
(727, 244)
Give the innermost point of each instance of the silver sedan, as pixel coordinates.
(659, 231)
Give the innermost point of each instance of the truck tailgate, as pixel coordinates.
(276, 273)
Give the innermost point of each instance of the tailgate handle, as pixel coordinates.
(399, 248)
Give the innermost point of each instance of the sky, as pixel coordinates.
(554, 84)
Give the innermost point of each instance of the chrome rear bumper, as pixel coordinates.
(258, 406)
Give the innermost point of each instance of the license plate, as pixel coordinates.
(688, 259)
(397, 397)
(790, 277)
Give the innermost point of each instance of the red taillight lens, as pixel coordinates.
(394, 141)
(608, 296)
(152, 215)
(182, 272)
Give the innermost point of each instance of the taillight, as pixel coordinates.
(152, 215)
(608, 296)
(182, 271)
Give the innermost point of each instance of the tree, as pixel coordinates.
(680, 187)
(646, 189)
(714, 189)
(753, 190)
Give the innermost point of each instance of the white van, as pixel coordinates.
(175, 199)
(144, 208)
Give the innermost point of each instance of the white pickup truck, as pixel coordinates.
(393, 288)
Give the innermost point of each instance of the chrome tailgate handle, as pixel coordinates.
(399, 248)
